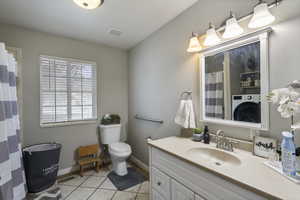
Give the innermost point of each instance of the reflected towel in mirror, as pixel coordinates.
(214, 95)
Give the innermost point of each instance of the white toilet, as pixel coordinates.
(119, 151)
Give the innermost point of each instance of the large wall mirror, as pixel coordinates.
(235, 82)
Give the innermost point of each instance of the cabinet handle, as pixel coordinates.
(158, 183)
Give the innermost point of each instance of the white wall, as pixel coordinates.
(112, 86)
(160, 68)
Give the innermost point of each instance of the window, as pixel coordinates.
(67, 91)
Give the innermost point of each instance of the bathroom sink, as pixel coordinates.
(215, 156)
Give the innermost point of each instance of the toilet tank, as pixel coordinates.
(110, 133)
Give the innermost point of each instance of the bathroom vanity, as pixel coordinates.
(181, 169)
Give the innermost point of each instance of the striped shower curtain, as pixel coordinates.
(214, 94)
(12, 179)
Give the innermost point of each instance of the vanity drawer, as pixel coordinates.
(161, 183)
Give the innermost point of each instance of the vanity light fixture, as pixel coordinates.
(262, 16)
(89, 4)
(194, 45)
(233, 28)
(212, 37)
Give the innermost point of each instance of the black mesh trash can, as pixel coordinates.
(41, 166)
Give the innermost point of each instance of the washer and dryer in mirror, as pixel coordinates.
(246, 108)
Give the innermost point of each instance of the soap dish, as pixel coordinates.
(276, 166)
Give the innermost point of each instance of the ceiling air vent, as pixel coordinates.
(115, 32)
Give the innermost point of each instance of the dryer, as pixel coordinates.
(246, 108)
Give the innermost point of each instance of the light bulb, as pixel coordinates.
(261, 17)
(194, 44)
(232, 29)
(212, 37)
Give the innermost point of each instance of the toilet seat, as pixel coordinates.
(119, 148)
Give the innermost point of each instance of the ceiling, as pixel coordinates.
(136, 19)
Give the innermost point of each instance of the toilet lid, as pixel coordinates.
(119, 147)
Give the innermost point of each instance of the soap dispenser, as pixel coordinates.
(206, 136)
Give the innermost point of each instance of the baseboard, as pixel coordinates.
(65, 171)
(133, 159)
(139, 163)
(68, 170)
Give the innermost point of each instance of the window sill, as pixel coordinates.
(59, 124)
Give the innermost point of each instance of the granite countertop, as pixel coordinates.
(251, 173)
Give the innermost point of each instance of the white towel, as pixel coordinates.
(191, 119)
(181, 113)
(185, 115)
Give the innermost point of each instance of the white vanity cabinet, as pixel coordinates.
(172, 178)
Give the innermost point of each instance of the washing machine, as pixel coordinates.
(246, 108)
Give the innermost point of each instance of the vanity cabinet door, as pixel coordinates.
(180, 192)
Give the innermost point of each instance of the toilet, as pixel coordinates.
(118, 151)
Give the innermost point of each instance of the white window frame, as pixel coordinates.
(71, 122)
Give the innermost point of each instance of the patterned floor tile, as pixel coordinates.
(108, 185)
(76, 181)
(93, 182)
(80, 194)
(133, 188)
(66, 190)
(102, 194)
(124, 196)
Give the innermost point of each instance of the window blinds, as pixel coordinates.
(67, 90)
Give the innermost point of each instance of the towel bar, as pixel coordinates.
(148, 119)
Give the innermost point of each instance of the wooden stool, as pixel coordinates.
(88, 155)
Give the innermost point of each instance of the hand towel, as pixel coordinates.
(181, 113)
(185, 115)
(191, 115)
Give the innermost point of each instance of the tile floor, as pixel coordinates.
(96, 186)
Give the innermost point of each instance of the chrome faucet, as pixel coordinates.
(224, 142)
